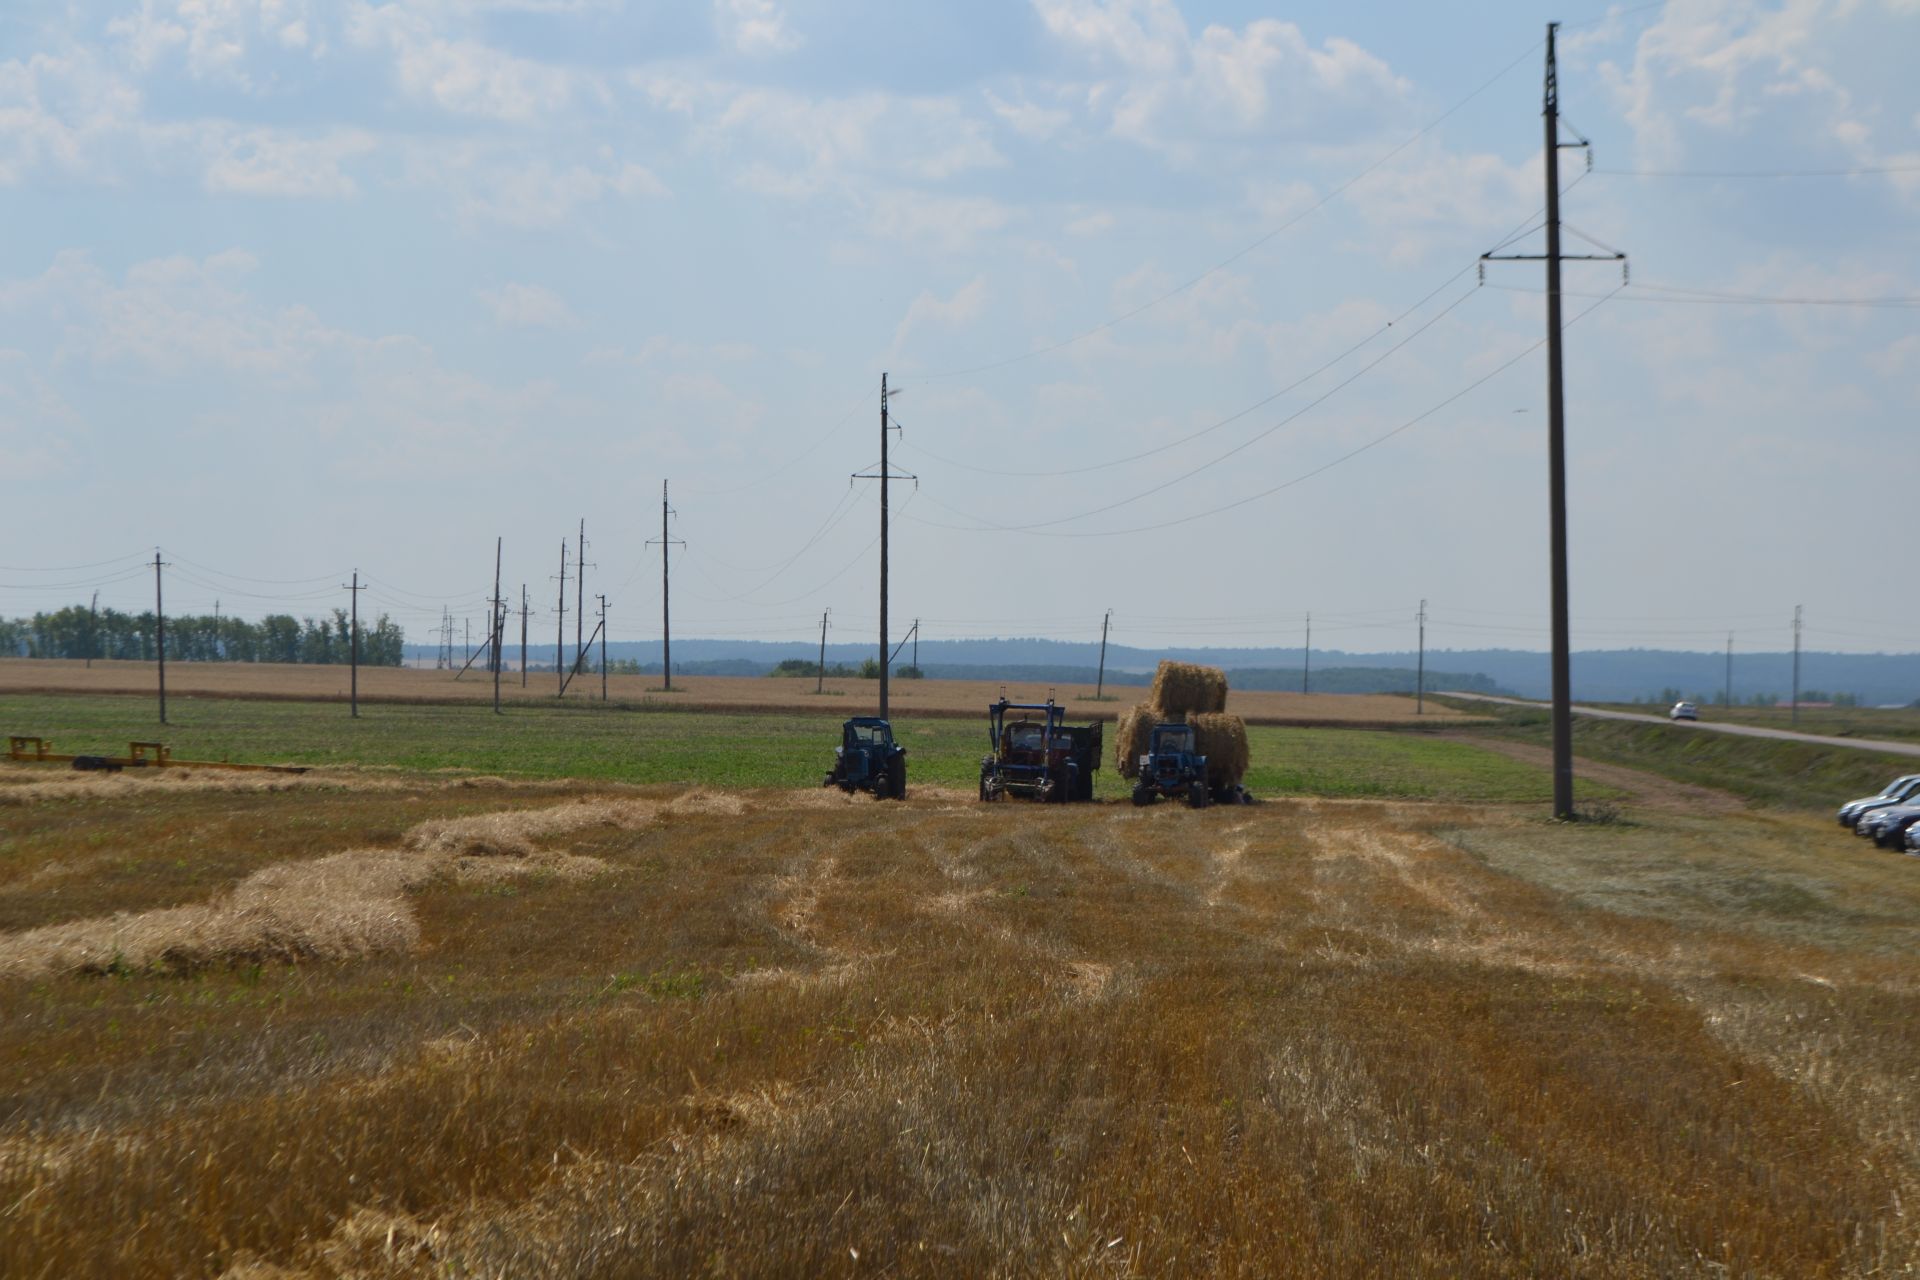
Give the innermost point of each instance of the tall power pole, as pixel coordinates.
(1726, 698)
(884, 475)
(1796, 663)
(160, 632)
(603, 647)
(580, 600)
(1420, 672)
(1100, 681)
(353, 646)
(93, 629)
(820, 675)
(499, 623)
(216, 630)
(560, 632)
(523, 635)
(1556, 438)
(666, 541)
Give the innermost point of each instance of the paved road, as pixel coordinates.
(1709, 726)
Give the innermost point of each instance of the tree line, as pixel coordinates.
(77, 632)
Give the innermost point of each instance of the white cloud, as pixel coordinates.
(948, 224)
(491, 183)
(926, 139)
(929, 309)
(267, 162)
(1028, 119)
(463, 76)
(217, 38)
(755, 27)
(1092, 224)
(527, 306)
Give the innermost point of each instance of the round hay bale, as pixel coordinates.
(1131, 736)
(1183, 687)
(1222, 739)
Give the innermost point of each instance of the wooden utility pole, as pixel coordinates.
(1556, 436)
(93, 629)
(580, 599)
(1306, 659)
(216, 630)
(603, 648)
(1420, 673)
(560, 626)
(667, 541)
(499, 622)
(820, 674)
(1796, 664)
(883, 476)
(1100, 682)
(160, 632)
(353, 646)
(523, 635)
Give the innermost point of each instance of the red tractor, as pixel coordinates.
(1038, 755)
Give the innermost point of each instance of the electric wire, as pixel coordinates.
(1300, 479)
(1762, 174)
(1041, 525)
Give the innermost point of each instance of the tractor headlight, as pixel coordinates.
(1145, 761)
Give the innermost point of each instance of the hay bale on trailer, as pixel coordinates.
(1222, 739)
(1182, 687)
(1132, 735)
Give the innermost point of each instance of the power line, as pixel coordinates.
(1041, 525)
(1226, 421)
(1267, 493)
(1864, 172)
(1708, 297)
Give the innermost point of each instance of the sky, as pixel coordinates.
(1181, 302)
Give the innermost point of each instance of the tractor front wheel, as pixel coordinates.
(1197, 795)
(900, 781)
(1143, 795)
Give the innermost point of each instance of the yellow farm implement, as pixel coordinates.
(140, 755)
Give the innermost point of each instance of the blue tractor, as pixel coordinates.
(1172, 767)
(868, 759)
(1036, 754)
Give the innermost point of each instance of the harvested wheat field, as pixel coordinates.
(842, 697)
(420, 1027)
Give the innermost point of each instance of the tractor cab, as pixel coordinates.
(1034, 752)
(868, 759)
(1172, 767)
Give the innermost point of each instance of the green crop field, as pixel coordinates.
(714, 749)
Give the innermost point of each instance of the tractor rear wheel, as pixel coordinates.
(1143, 795)
(900, 780)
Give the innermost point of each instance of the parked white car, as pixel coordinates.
(1684, 711)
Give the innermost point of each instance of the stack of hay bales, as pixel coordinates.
(1198, 695)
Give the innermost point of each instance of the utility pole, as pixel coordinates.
(820, 675)
(580, 599)
(1306, 660)
(93, 629)
(1100, 682)
(916, 644)
(523, 635)
(216, 630)
(1420, 676)
(603, 648)
(499, 621)
(1556, 437)
(667, 541)
(160, 632)
(883, 476)
(1726, 699)
(353, 645)
(560, 632)
(1796, 664)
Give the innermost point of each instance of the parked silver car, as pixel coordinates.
(1896, 791)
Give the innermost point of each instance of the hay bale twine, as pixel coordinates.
(1131, 736)
(1183, 687)
(1222, 739)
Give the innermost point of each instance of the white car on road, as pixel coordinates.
(1684, 711)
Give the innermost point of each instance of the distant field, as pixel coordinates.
(400, 1024)
(842, 698)
(710, 748)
